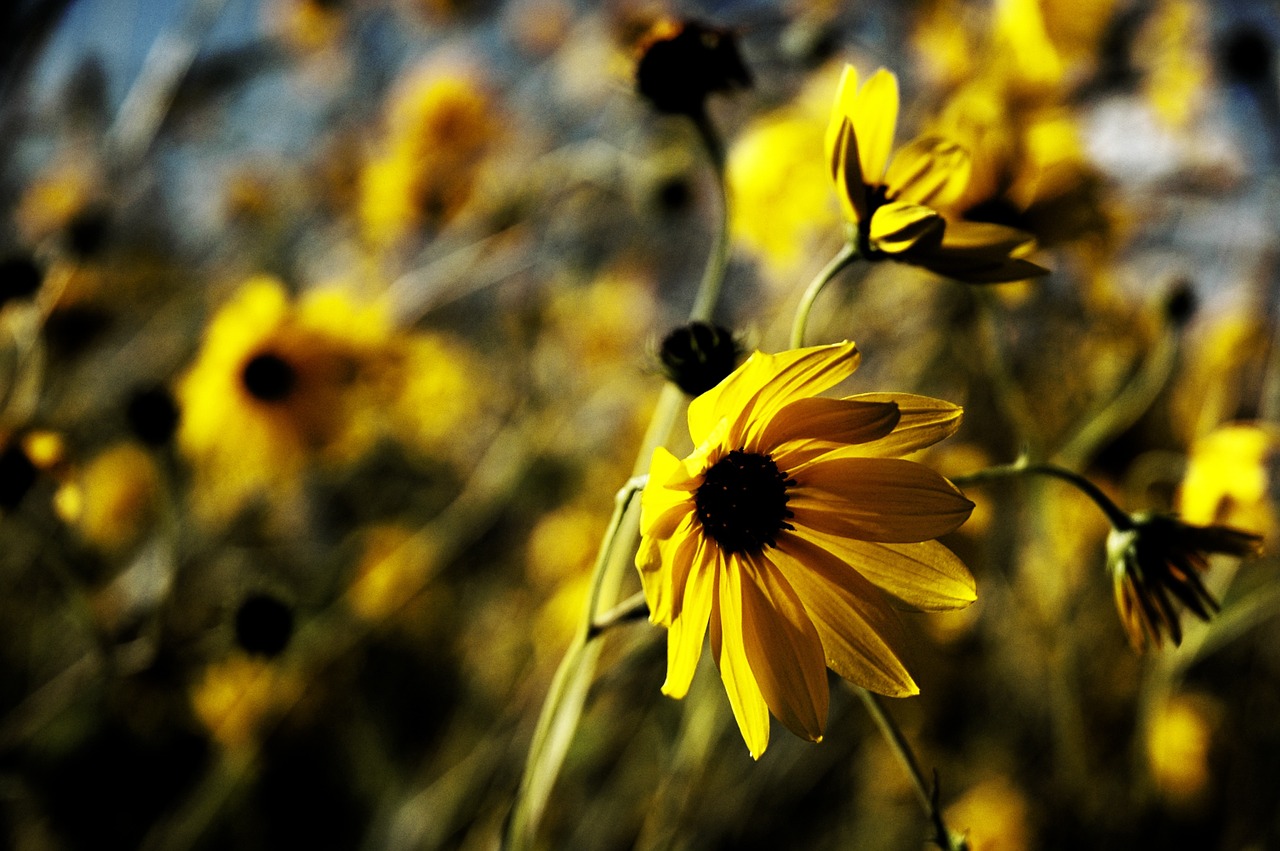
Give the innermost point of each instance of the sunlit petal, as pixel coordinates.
(749, 707)
(922, 422)
(897, 228)
(875, 116)
(689, 627)
(837, 421)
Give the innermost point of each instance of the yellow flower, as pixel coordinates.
(792, 531)
(276, 384)
(1158, 556)
(439, 128)
(894, 205)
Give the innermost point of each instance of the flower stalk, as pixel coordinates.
(845, 258)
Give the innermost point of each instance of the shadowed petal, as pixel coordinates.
(832, 421)
(922, 422)
(749, 708)
(876, 499)
(839, 122)
(664, 567)
(924, 576)
(860, 633)
(784, 650)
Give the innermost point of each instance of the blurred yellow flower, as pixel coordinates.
(273, 386)
(1179, 742)
(994, 815)
(781, 201)
(1172, 50)
(237, 695)
(1228, 478)
(115, 497)
(895, 205)
(439, 127)
(791, 532)
(394, 569)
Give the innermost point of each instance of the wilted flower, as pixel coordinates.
(894, 205)
(788, 532)
(1158, 559)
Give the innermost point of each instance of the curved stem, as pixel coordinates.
(837, 264)
(892, 733)
(1119, 519)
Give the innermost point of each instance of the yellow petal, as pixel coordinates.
(985, 237)
(689, 628)
(889, 500)
(829, 421)
(924, 577)
(661, 507)
(792, 375)
(874, 113)
(749, 708)
(922, 422)
(930, 170)
(897, 228)
(664, 568)
(784, 651)
(860, 633)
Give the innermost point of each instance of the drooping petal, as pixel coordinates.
(874, 113)
(922, 422)
(889, 500)
(924, 576)
(897, 228)
(749, 707)
(784, 650)
(662, 507)
(689, 627)
(834, 421)
(860, 633)
(929, 170)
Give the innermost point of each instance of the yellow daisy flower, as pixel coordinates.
(793, 531)
(894, 205)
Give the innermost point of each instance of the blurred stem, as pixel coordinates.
(1128, 406)
(1119, 519)
(564, 703)
(892, 733)
(1008, 395)
(704, 305)
(848, 253)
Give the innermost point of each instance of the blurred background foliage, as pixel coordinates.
(328, 335)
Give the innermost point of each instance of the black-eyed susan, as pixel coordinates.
(895, 205)
(277, 385)
(1158, 558)
(791, 533)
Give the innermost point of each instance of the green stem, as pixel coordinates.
(1119, 519)
(800, 325)
(893, 734)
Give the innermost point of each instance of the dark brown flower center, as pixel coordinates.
(742, 502)
(269, 377)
